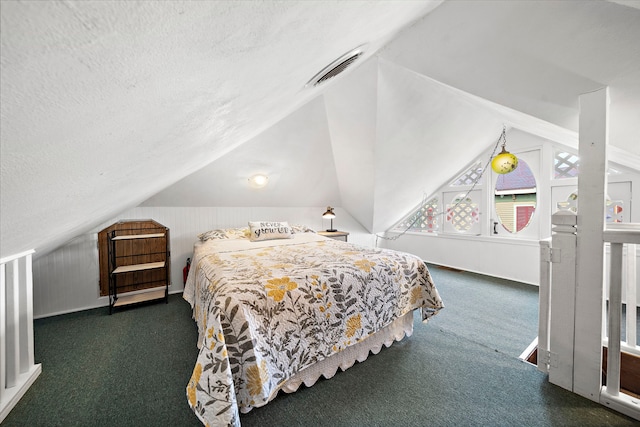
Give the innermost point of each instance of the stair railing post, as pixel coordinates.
(632, 295)
(592, 184)
(544, 303)
(615, 315)
(562, 298)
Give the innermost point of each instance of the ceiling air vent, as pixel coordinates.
(336, 67)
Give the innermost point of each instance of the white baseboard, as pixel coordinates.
(11, 395)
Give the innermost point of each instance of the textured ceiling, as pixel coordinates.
(107, 104)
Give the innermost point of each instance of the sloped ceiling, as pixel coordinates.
(296, 150)
(106, 105)
(449, 82)
(535, 57)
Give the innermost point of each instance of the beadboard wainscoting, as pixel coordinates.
(67, 279)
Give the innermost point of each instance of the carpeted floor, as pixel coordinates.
(460, 369)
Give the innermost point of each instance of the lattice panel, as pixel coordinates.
(565, 165)
(614, 208)
(614, 211)
(463, 214)
(424, 219)
(470, 176)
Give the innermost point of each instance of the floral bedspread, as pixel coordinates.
(266, 310)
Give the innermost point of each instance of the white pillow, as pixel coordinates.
(266, 230)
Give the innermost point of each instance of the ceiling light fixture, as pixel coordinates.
(258, 181)
(504, 162)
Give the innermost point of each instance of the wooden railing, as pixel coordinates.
(541, 343)
(557, 326)
(557, 299)
(17, 368)
(622, 276)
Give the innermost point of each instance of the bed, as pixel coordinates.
(279, 306)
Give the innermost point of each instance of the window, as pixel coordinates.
(571, 204)
(515, 198)
(424, 219)
(614, 211)
(614, 208)
(462, 213)
(469, 177)
(565, 165)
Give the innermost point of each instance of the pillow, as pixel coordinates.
(226, 233)
(212, 235)
(237, 233)
(265, 230)
(301, 229)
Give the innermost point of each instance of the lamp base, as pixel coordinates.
(333, 230)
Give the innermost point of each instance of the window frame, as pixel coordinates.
(547, 188)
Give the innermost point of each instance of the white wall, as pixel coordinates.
(511, 259)
(66, 279)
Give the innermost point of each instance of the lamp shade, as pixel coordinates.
(504, 162)
(329, 213)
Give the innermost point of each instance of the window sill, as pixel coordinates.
(475, 238)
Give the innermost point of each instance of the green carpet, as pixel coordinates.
(460, 369)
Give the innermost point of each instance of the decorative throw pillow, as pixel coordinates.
(212, 235)
(237, 233)
(226, 233)
(266, 230)
(301, 229)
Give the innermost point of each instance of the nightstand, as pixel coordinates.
(336, 235)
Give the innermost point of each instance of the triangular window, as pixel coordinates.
(424, 219)
(567, 165)
(470, 176)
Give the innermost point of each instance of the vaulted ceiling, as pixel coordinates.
(107, 105)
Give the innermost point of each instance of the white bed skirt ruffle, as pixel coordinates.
(395, 331)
